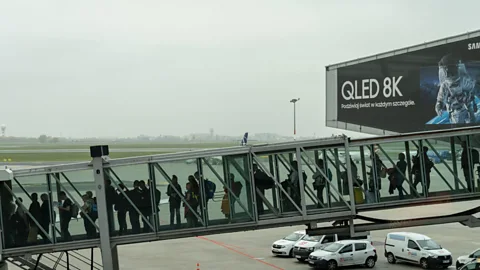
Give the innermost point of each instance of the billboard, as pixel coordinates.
(433, 88)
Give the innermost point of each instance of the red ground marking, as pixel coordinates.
(239, 252)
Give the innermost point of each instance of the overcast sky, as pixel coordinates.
(124, 68)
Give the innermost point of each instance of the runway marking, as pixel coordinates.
(239, 252)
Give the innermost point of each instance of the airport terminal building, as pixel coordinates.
(431, 86)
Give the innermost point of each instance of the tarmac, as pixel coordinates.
(252, 249)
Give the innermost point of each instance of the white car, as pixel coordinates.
(344, 253)
(303, 248)
(416, 248)
(473, 265)
(284, 246)
(462, 260)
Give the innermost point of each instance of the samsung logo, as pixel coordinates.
(474, 46)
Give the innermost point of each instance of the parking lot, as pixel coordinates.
(252, 249)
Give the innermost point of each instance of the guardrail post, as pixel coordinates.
(349, 176)
(5, 175)
(109, 253)
(301, 182)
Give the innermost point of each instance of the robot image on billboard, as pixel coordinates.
(454, 89)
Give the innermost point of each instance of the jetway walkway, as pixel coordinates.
(125, 201)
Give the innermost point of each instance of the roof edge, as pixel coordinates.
(404, 50)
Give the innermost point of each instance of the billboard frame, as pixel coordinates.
(331, 88)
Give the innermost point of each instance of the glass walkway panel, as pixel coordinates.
(109, 202)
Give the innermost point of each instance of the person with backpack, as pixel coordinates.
(320, 181)
(66, 207)
(192, 200)
(262, 183)
(209, 187)
(195, 190)
(417, 172)
(293, 187)
(465, 164)
(237, 187)
(87, 210)
(378, 170)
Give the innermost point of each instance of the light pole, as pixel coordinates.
(294, 101)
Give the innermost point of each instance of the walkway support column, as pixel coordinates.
(5, 175)
(109, 253)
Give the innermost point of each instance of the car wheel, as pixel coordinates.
(458, 265)
(424, 263)
(370, 262)
(300, 259)
(290, 254)
(391, 258)
(332, 265)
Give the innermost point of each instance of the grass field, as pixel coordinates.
(85, 156)
(119, 145)
(64, 156)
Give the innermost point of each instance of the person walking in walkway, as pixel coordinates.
(122, 207)
(35, 211)
(45, 219)
(320, 181)
(174, 201)
(65, 207)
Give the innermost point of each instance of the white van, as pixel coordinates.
(303, 248)
(416, 248)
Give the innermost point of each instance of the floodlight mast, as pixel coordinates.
(294, 101)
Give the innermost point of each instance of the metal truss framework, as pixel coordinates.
(286, 204)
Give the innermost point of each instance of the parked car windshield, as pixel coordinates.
(293, 237)
(315, 238)
(333, 247)
(428, 244)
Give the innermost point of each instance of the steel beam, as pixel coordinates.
(277, 184)
(315, 199)
(359, 228)
(437, 134)
(398, 170)
(75, 202)
(301, 183)
(411, 223)
(181, 196)
(350, 178)
(227, 186)
(104, 228)
(446, 165)
(144, 218)
(288, 166)
(27, 212)
(52, 169)
(329, 184)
